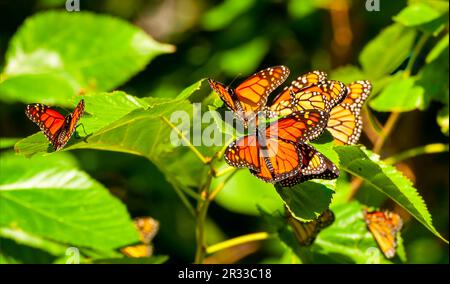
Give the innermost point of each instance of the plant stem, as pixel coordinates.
(237, 241)
(203, 159)
(221, 185)
(202, 209)
(427, 149)
(185, 201)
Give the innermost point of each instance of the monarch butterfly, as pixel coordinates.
(147, 228)
(274, 155)
(345, 123)
(384, 227)
(312, 91)
(57, 128)
(247, 99)
(309, 91)
(306, 232)
(314, 166)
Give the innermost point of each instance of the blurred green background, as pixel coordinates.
(231, 39)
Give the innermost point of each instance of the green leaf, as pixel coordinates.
(387, 51)
(307, 200)
(438, 49)
(386, 179)
(433, 77)
(156, 259)
(417, 14)
(401, 94)
(222, 15)
(56, 51)
(53, 200)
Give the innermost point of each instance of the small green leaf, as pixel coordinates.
(307, 200)
(401, 94)
(387, 51)
(386, 179)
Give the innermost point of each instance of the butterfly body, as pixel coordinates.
(57, 129)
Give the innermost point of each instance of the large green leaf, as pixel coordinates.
(387, 50)
(386, 179)
(49, 197)
(54, 56)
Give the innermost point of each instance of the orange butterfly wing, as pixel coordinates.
(305, 80)
(314, 165)
(280, 160)
(49, 121)
(254, 91)
(70, 124)
(384, 227)
(226, 95)
(345, 123)
(244, 152)
(251, 95)
(323, 95)
(279, 154)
